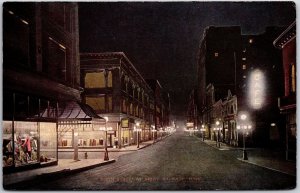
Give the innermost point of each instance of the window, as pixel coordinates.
(57, 13)
(110, 107)
(244, 59)
(244, 77)
(16, 40)
(56, 60)
(244, 67)
(94, 80)
(250, 40)
(109, 79)
(131, 109)
(216, 54)
(137, 111)
(124, 106)
(293, 78)
(97, 103)
(123, 83)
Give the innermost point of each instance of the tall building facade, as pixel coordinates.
(286, 42)
(40, 76)
(245, 66)
(115, 89)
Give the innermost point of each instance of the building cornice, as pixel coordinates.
(286, 36)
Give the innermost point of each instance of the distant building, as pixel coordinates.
(250, 68)
(116, 90)
(135, 107)
(192, 111)
(161, 105)
(286, 42)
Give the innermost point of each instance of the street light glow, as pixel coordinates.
(106, 118)
(243, 117)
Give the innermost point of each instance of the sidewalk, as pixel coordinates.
(70, 166)
(267, 158)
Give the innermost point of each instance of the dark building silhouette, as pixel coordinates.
(250, 68)
(40, 75)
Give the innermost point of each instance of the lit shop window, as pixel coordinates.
(26, 138)
(216, 54)
(48, 141)
(94, 80)
(97, 103)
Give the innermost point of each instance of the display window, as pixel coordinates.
(48, 142)
(27, 143)
(87, 136)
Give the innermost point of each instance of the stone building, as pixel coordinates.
(40, 77)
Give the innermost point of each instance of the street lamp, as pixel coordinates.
(137, 132)
(244, 127)
(153, 134)
(106, 158)
(218, 129)
(202, 131)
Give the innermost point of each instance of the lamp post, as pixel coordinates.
(244, 127)
(106, 158)
(153, 134)
(202, 132)
(137, 134)
(218, 129)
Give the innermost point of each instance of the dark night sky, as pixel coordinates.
(162, 38)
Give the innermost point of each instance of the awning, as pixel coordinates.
(74, 113)
(79, 113)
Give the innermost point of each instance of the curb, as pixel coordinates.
(146, 146)
(245, 161)
(56, 174)
(220, 149)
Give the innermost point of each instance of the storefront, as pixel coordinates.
(29, 139)
(79, 127)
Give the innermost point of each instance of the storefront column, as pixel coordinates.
(119, 135)
(75, 143)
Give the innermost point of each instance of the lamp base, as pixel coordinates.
(245, 156)
(106, 158)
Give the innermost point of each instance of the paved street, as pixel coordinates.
(178, 162)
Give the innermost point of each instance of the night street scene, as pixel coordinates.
(149, 96)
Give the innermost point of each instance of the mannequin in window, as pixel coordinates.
(27, 147)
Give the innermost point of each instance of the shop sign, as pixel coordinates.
(190, 124)
(125, 123)
(229, 117)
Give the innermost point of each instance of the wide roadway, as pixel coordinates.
(178, 162)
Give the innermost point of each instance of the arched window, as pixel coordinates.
(293, 78)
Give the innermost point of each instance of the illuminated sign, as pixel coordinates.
(256, 95)
(125, 123)
(190, 124)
